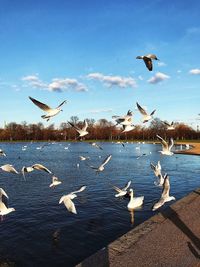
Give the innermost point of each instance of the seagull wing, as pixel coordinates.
(78, 191)
(2, 192)
(153, 112)
(85, 125)
(163, 142)
(158, 204)
(40, 104)
(127, 186)
(142, 111)
(166, 123)
(148, 63)
(166, 187)
(74, 126)
(62, 103)
(171, 143)
(153, 166)
(41, 167)
(117, 189)
(106, 160)
(2, 206)
(69, 204)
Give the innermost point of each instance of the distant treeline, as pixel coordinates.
(100, 130)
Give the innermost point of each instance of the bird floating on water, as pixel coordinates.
(67, 200)
(146, 116)
(122, 192)
(135, 202)
(165, 197)
(50, 111)
(166, 147)
(148, 60)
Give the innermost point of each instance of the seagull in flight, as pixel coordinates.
(9, 168)
(36, 166)
(146, 116)
(4, 210)
(2, 153)
(165, 197)
(82, 131)
(95, 145)
(55, 181)
(148, 60)
(127, 128)
(166, 147)
(122, 192)
(50, 111)
(83, 158)
(67, 200)
(124, 120)
(170, 126)
(101, 167)
(156, 168)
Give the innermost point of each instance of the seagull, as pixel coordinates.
(128, 128)
(156, 168)
(148, 60)
(160, 180)
(36, 166)
(83, 158)
(134, 202)
(82, 131)
(165, 197)
(50, 111)
(95, 145)
(3, 208)
(170, 126)
(146, 116)
(166, 147)
(124, 120)
(2, 153)
(122, 192)
(55, 181)
(67, 199)
(101, 167)
(8, 168)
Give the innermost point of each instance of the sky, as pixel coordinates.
(85, 52)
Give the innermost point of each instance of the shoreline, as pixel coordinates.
(194, 150)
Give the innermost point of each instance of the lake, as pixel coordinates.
(28, 234)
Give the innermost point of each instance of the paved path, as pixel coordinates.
(168, 239)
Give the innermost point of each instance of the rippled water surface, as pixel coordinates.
(43, 233)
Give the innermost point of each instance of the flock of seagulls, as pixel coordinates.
(126, 122)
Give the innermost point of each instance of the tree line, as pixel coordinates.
(98, 130)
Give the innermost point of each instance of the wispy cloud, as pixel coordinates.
(56, 85)
(95, 111)
(112, 81)
(158, 77)
(195, 71)
(162, 64)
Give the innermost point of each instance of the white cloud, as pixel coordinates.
(179, 71)
(56, 85)
(111, 81)
(162, 64)
(195, 71)
(95, 111)
(158, 77)
(140, 78)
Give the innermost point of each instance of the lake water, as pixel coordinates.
(27, 235)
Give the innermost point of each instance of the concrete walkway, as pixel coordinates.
(168, 239)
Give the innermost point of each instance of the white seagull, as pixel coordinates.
(36, 166)
(166, 147)
(101, 167)
(67, 199)
(50, 111)
(95, 145)
(122, 192)
(82, 131)
(83, 158)
(128, 128)
(135, 202)
(146, 116)
(2, 153)
(124, 120)
(156, 168)
(55, 181)
(165, 197)
(148, 60)
(9, 168)
(4, 210)
(170, 126)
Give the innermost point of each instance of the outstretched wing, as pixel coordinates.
(41, 167)
(74, 126)
(171, 143)
(153, 112)
(117, 189)
(62, 103)
(80, 190)
(40, 104)
(142, 111)
(85, 125)
(153, 166)
(107, 159)
(69, 204)
(148, 63)
(163, 142)
(166, 187)
(127, 186)
(2, 193)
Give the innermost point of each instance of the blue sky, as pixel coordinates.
(85, 52)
